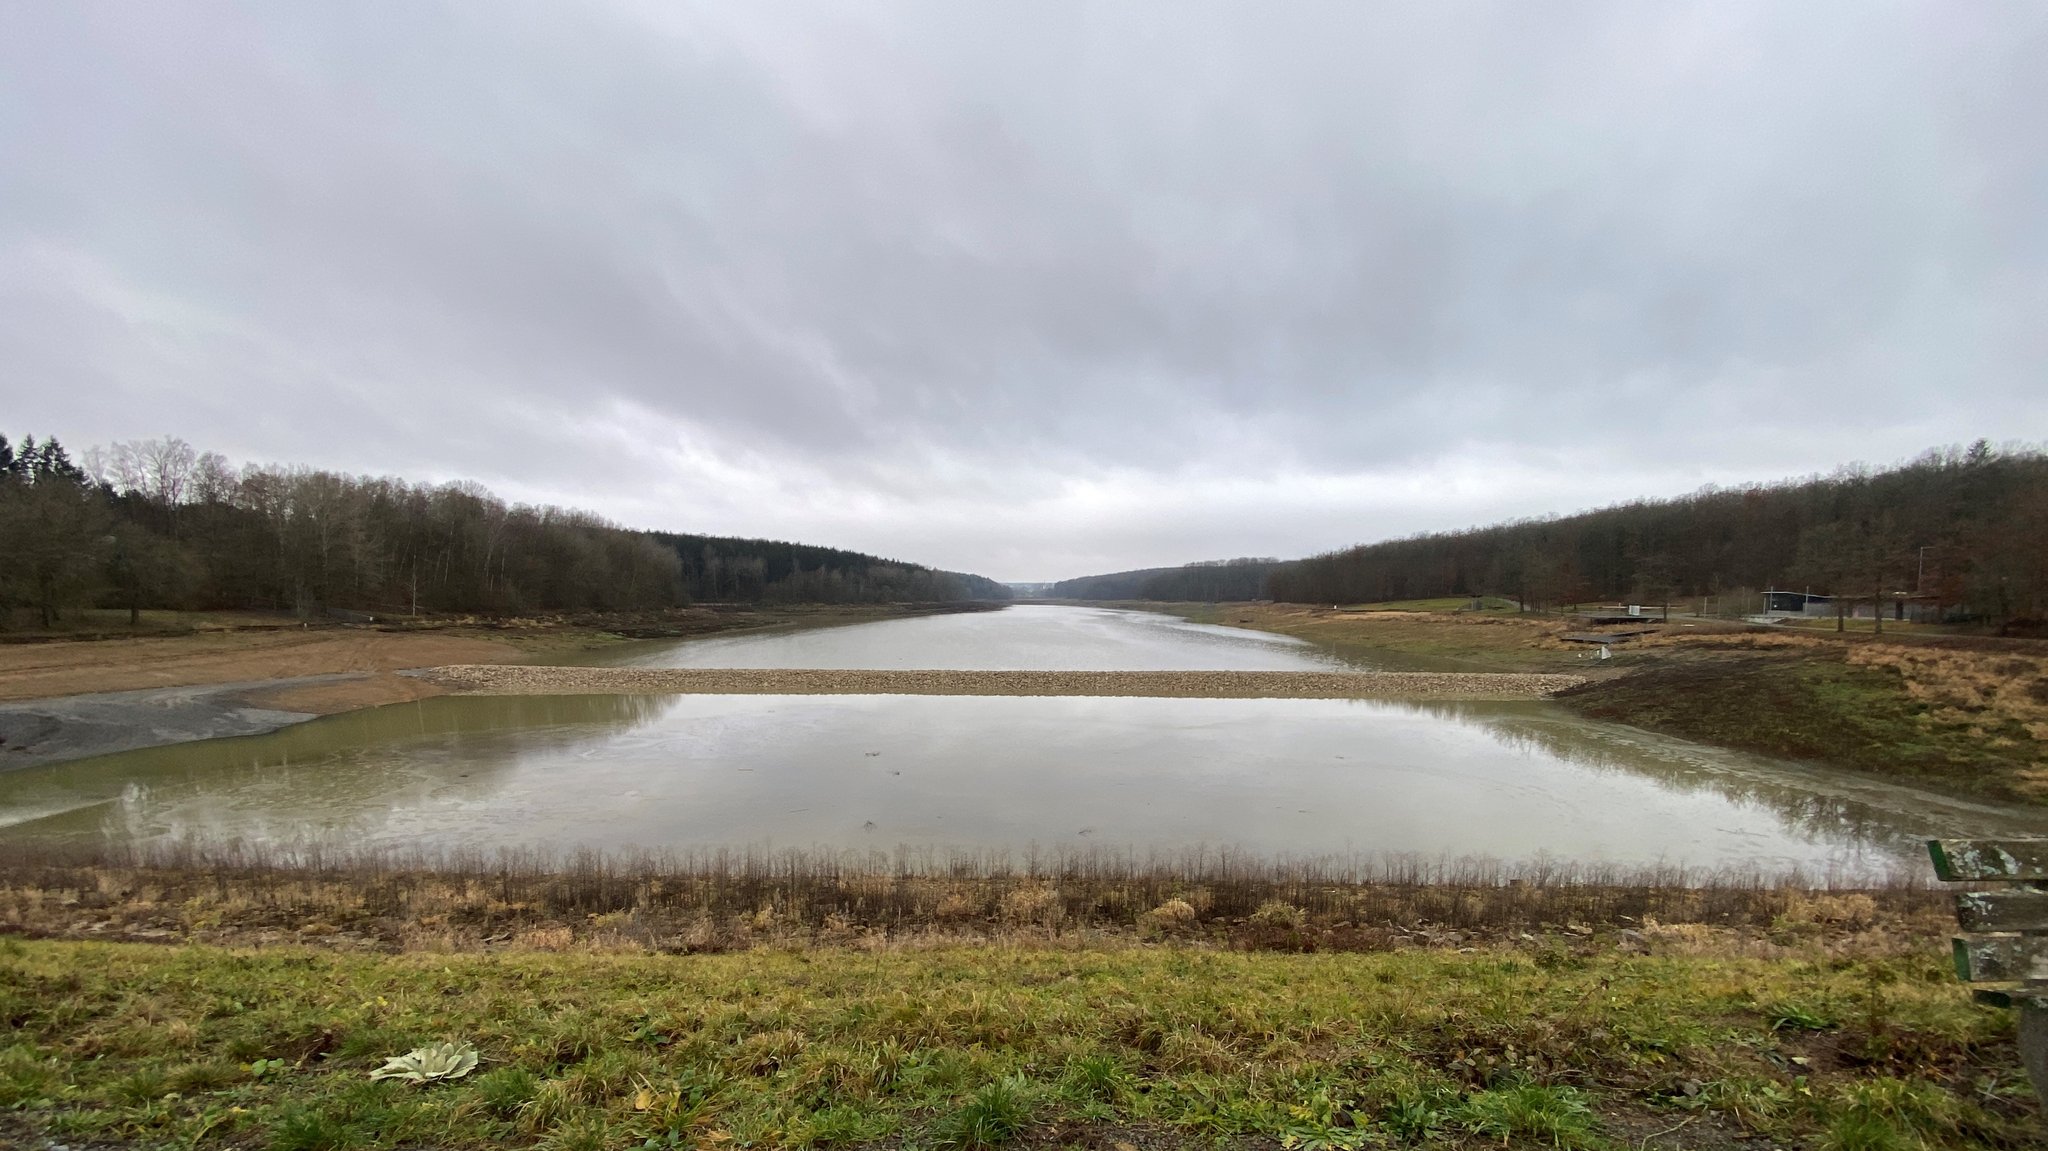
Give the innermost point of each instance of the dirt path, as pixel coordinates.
(491, 680)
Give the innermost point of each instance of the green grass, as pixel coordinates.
(979, 1047)
(1819, 708)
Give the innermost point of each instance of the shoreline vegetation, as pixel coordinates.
(1093, 1001)
(725, 899)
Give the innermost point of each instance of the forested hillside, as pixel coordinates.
(1966, 528)
(155, 524)
(726, 568)
(1215, 581)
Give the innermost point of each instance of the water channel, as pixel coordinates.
(1511, 781)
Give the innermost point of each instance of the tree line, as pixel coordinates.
(730, 568)
(1963, 529)
(1214, 581)
(156, 524)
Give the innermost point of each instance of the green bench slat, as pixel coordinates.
(1964, 859)
(2020, 909)
(2002, 958)
(2017, 995)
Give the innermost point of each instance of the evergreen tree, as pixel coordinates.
(51, 462)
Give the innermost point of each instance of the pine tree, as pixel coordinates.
(52, 462)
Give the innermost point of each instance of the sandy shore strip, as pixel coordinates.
(492, 679)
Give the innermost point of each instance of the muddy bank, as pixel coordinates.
(38, 731)
(478, 679)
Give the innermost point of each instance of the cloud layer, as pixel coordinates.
(1031, 290)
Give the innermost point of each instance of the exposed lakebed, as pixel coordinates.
(1298, 777)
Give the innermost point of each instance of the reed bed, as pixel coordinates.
(723, 899)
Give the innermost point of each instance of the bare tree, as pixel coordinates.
(213, 479)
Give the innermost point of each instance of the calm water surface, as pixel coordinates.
(1276, 777)
(1028, 637)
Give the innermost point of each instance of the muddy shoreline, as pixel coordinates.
(35, 732)
(489, 679)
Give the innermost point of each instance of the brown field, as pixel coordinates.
(1974, 689)
(72, 667)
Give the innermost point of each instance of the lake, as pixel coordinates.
(1026, 637)
(857, 772)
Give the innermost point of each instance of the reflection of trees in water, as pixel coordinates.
(332, 778)
(1810, 807)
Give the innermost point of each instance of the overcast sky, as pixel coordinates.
(1032, 290)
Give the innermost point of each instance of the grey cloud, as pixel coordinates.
(712, 262)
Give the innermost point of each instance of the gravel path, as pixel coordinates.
(483, 679)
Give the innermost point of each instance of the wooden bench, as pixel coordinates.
(2005, 954)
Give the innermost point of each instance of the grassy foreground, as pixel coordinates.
(1694, 1043)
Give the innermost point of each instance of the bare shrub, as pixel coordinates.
(1174, 917)
(713, 901)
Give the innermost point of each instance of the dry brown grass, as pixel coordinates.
(712, 904)
(1981, 690)
(1752, 639)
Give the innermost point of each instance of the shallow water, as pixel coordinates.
(1271, 777)
(855, 772)
(1026, 637)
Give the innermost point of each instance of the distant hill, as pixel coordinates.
(731, 568)
(1215, 581)
(1963, 530)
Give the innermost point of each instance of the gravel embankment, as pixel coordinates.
(480, 679)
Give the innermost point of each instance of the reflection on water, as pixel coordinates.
(1509, 780)
(1025, 637)
(331, 778)
(1818, 801)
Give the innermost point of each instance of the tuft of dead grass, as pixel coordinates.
(1964, 685)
